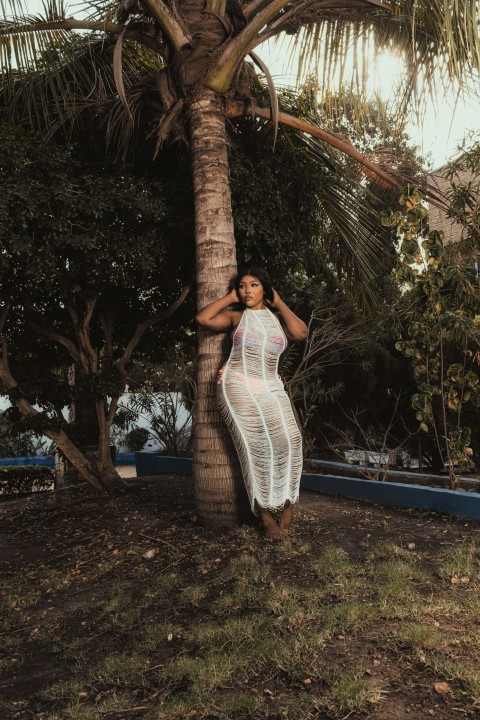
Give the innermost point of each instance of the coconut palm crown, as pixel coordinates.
(181, 67)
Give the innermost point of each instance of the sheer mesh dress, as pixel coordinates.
(258, 412)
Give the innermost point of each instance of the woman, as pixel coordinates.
(251, 396)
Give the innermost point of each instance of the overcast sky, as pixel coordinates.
(438, 136)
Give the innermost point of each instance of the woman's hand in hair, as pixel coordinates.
(234, 296)
(294, 328)
(276, 299)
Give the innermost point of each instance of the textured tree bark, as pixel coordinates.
(218, 486)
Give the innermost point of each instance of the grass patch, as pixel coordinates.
(193, 595)
(348, 692)
(439, 650)
(461, 671)
(198, 677)
(229, 627)
(419, 637)
(239, 599)
(121, 670)
(246, 569)
(460, 564)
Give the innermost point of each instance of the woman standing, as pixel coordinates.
(251, 396)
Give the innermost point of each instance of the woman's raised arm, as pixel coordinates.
(295, 329)
(215, 316)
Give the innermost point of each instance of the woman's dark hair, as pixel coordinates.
(261, 275)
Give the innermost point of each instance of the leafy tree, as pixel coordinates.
(74, 252)
(441, 332)
(186, 61)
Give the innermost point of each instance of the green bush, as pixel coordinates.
(24, 479)
(137, 438)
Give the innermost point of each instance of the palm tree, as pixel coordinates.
(182, 64)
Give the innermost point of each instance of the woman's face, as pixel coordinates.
(250, 291)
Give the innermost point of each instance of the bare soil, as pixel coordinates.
(61, 553)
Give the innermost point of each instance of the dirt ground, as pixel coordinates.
(60, 551)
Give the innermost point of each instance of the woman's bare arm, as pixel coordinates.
(295, 329)
(215, 316)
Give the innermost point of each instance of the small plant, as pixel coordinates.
(136, 438)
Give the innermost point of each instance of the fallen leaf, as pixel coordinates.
(442, 688)
(150, 554)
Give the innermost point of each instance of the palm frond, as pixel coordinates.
(50, 73)
(273, 93)
(51, 76)
(438, 43)
(350, 201)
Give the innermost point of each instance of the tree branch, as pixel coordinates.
(72, 311)
(107, 327)
(238, 109)
(4, 368)
(3, 317)
(253, 7)
(77, 458)
(56, 337)
(112, 409)
(143, 327)
(217, 7)
(74, 24)
(174, 28)
(220, 76)
(86, 333)
(310, 7)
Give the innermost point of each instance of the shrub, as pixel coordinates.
(24, 479)
(137, 438)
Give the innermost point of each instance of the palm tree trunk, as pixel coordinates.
(218, 485)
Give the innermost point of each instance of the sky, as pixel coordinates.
(445, 123)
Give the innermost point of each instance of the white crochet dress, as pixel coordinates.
(258, 412)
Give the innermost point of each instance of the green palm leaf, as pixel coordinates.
(51, 75)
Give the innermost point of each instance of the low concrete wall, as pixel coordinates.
(452, 502)
(154, 463)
